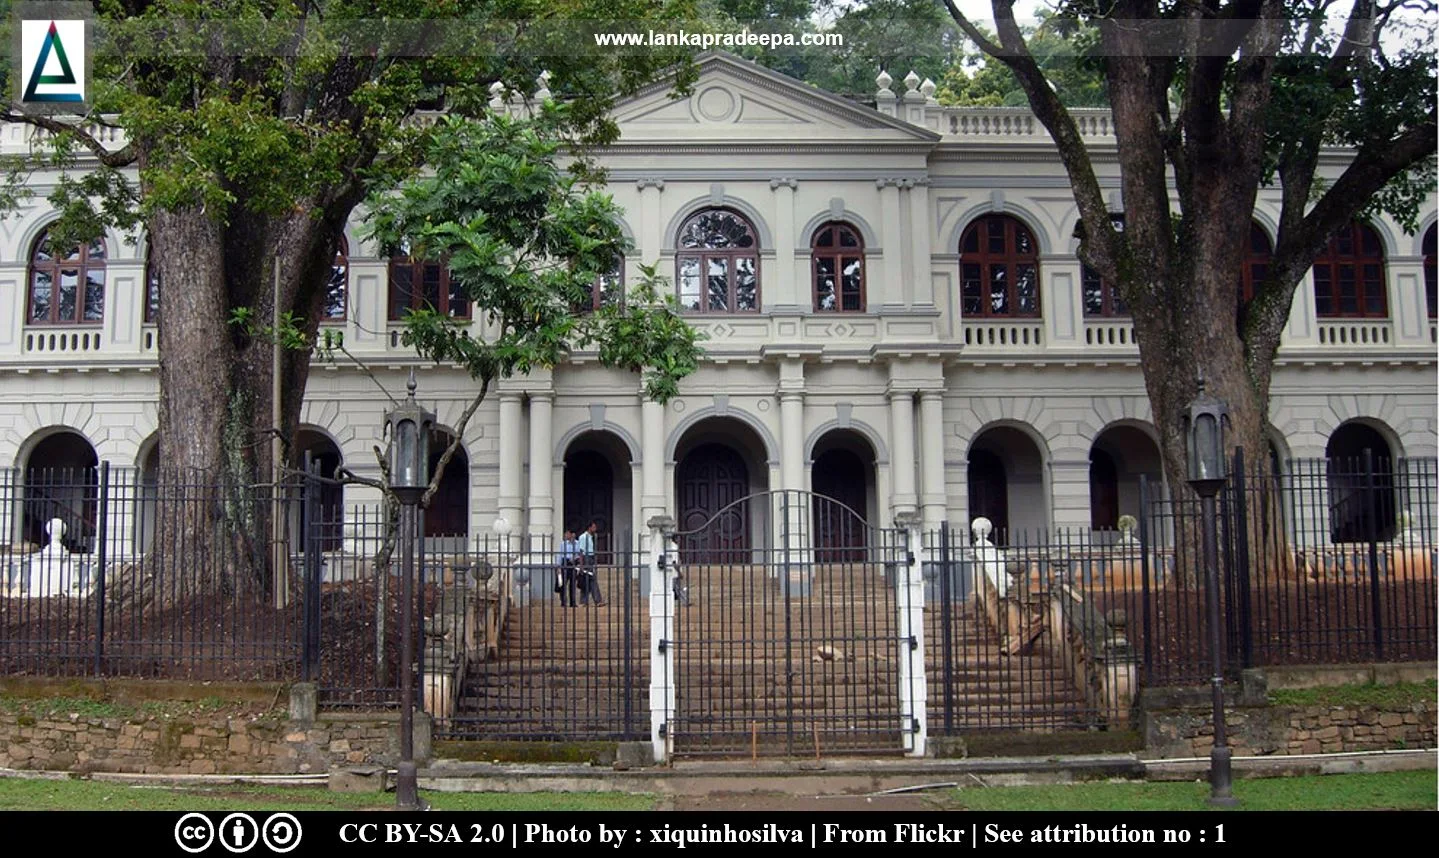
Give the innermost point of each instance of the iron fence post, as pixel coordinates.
(310, 541)
(1371, 515)
(1242, 572)
(628, 635)
(1144, 570)
(946, 622)
(787, 584)
(101, 532)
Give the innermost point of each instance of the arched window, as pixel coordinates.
(837, 265)
(717, 263)
(606, 289)
(67, 287)
(417, 283)
(1431, 294)
(1254, 270)
(152, 286)
(1101, 298)
(1103, 491)
(335, 302)
(999, 268)
(1349, 274)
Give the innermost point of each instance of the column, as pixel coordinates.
(901, 461)
(891, 291)
(511, 456)
(931, 436)
(1069, 489)
(789, 292)
(919, 243)
(541, 498)
(650, 240)
(797, 533)
(653, 500)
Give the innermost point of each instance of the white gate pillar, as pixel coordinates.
(909, 601)
(662, 558)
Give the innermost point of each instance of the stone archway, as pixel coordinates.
(844, 472)
(598, 487)
(720, 461)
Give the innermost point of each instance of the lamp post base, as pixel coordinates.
(407, 791)
(1221, 783)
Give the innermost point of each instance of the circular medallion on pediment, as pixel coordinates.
(716, 104)
(678, 405)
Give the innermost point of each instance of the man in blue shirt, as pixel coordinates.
(566, 563)
(589, 581)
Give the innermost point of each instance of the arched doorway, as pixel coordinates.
(325, 456)
(721, 461)
(597, 488)
(61, 481)
(448, 515)
(1361, 492)
(1119, 458)
(842, 479)
(147, 493)
(1006, 483)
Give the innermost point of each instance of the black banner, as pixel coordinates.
(266, 833)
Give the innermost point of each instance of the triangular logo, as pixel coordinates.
(38, 76)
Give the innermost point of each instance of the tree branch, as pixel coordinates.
(455, 444)
(120, 158)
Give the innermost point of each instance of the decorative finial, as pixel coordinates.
(911, 81)
(411, 384)
(927, 89)
(883, 81)
(542, 92)
(497, 95)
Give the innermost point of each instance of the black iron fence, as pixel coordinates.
(785, 634)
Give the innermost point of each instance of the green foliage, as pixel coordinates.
(525, 241)
(1063, 46)
(1400, 695)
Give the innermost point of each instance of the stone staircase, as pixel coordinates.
(990, 690)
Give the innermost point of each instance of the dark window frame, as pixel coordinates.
(979, 235)
(836, 253)
(731, 257)
(339, 269)
(398, 304)
(1365, 265)
(83, 264)
(1431, 276)
(599, 295)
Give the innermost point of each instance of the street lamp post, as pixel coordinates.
(409, 426)
(1204, 429)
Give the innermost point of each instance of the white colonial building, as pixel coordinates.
(896, 318)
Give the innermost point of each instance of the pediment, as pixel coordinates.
(734, 99)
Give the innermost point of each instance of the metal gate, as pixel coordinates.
(786, 631)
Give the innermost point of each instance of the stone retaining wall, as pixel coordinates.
(1178, 723)
(220, 743)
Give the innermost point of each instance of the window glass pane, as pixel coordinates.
(401, 289)
(152, 297)
(1023, 241)
(1026, 285)
(717, 280)
(1348, 294)
(824, 283)
(746, 285)
(970, 242)
(43, 253)
(69, 286)
(431, 286)
(95, 295)
(71, 255)
(716, 230)
(995, 228)
(690, 282)
(458, 303)
(825, 238)
(611, 285)
(1323, 291)
(853, 283)
(1093, 288)
(97, 251)
(1344, 242)
(998, 290)
(40, 290)
(847, 238)
(1369, 242)
(1373, 290)
(336, 289)
(970, 289)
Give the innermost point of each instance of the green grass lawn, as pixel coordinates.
(1389, 790)
(1398, 790)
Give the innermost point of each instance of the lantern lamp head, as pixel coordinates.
(1205, 428)
(410, 426)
